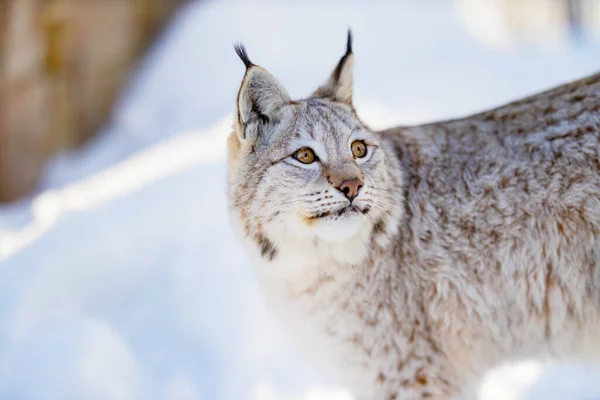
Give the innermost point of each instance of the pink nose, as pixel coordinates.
(350, 188)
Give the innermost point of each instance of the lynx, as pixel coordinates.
(411, 261)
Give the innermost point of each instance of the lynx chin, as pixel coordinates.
(408, 262)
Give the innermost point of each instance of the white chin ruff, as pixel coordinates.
(337, 230)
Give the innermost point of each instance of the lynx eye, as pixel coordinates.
(359, 148)
(305, 155)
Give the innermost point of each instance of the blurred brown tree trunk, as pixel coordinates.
(61, 65)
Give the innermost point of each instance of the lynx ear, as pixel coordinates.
(339, 85)
(260, 96)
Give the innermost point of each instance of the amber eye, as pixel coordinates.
(305, 155)
(359, 148)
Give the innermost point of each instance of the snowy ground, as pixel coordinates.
(122, 279)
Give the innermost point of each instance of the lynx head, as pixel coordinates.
(308, 169)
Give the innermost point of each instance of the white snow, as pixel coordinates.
(121, 278)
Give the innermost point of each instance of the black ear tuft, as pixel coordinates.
(349, 43)
(338, 69)
(241, 52)
(339, 85)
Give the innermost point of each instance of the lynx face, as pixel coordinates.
(308, 168)
(322, 172)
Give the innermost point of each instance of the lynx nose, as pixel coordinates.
(350, 188)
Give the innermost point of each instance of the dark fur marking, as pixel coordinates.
(263, 118)
(339, 116)
(563, 136)
(244, 126)
(292, 164)
(310, 128)
(379, 227)
(264, 171)
(237, 106)
(259, 114)
(326, 117)
(267, 249)
(321, 215)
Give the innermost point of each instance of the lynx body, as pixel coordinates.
(410, 261)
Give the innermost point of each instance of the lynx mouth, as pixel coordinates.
(339, 213)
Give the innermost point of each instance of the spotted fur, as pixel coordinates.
(473, 241)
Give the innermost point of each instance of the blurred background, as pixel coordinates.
(120, 277)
